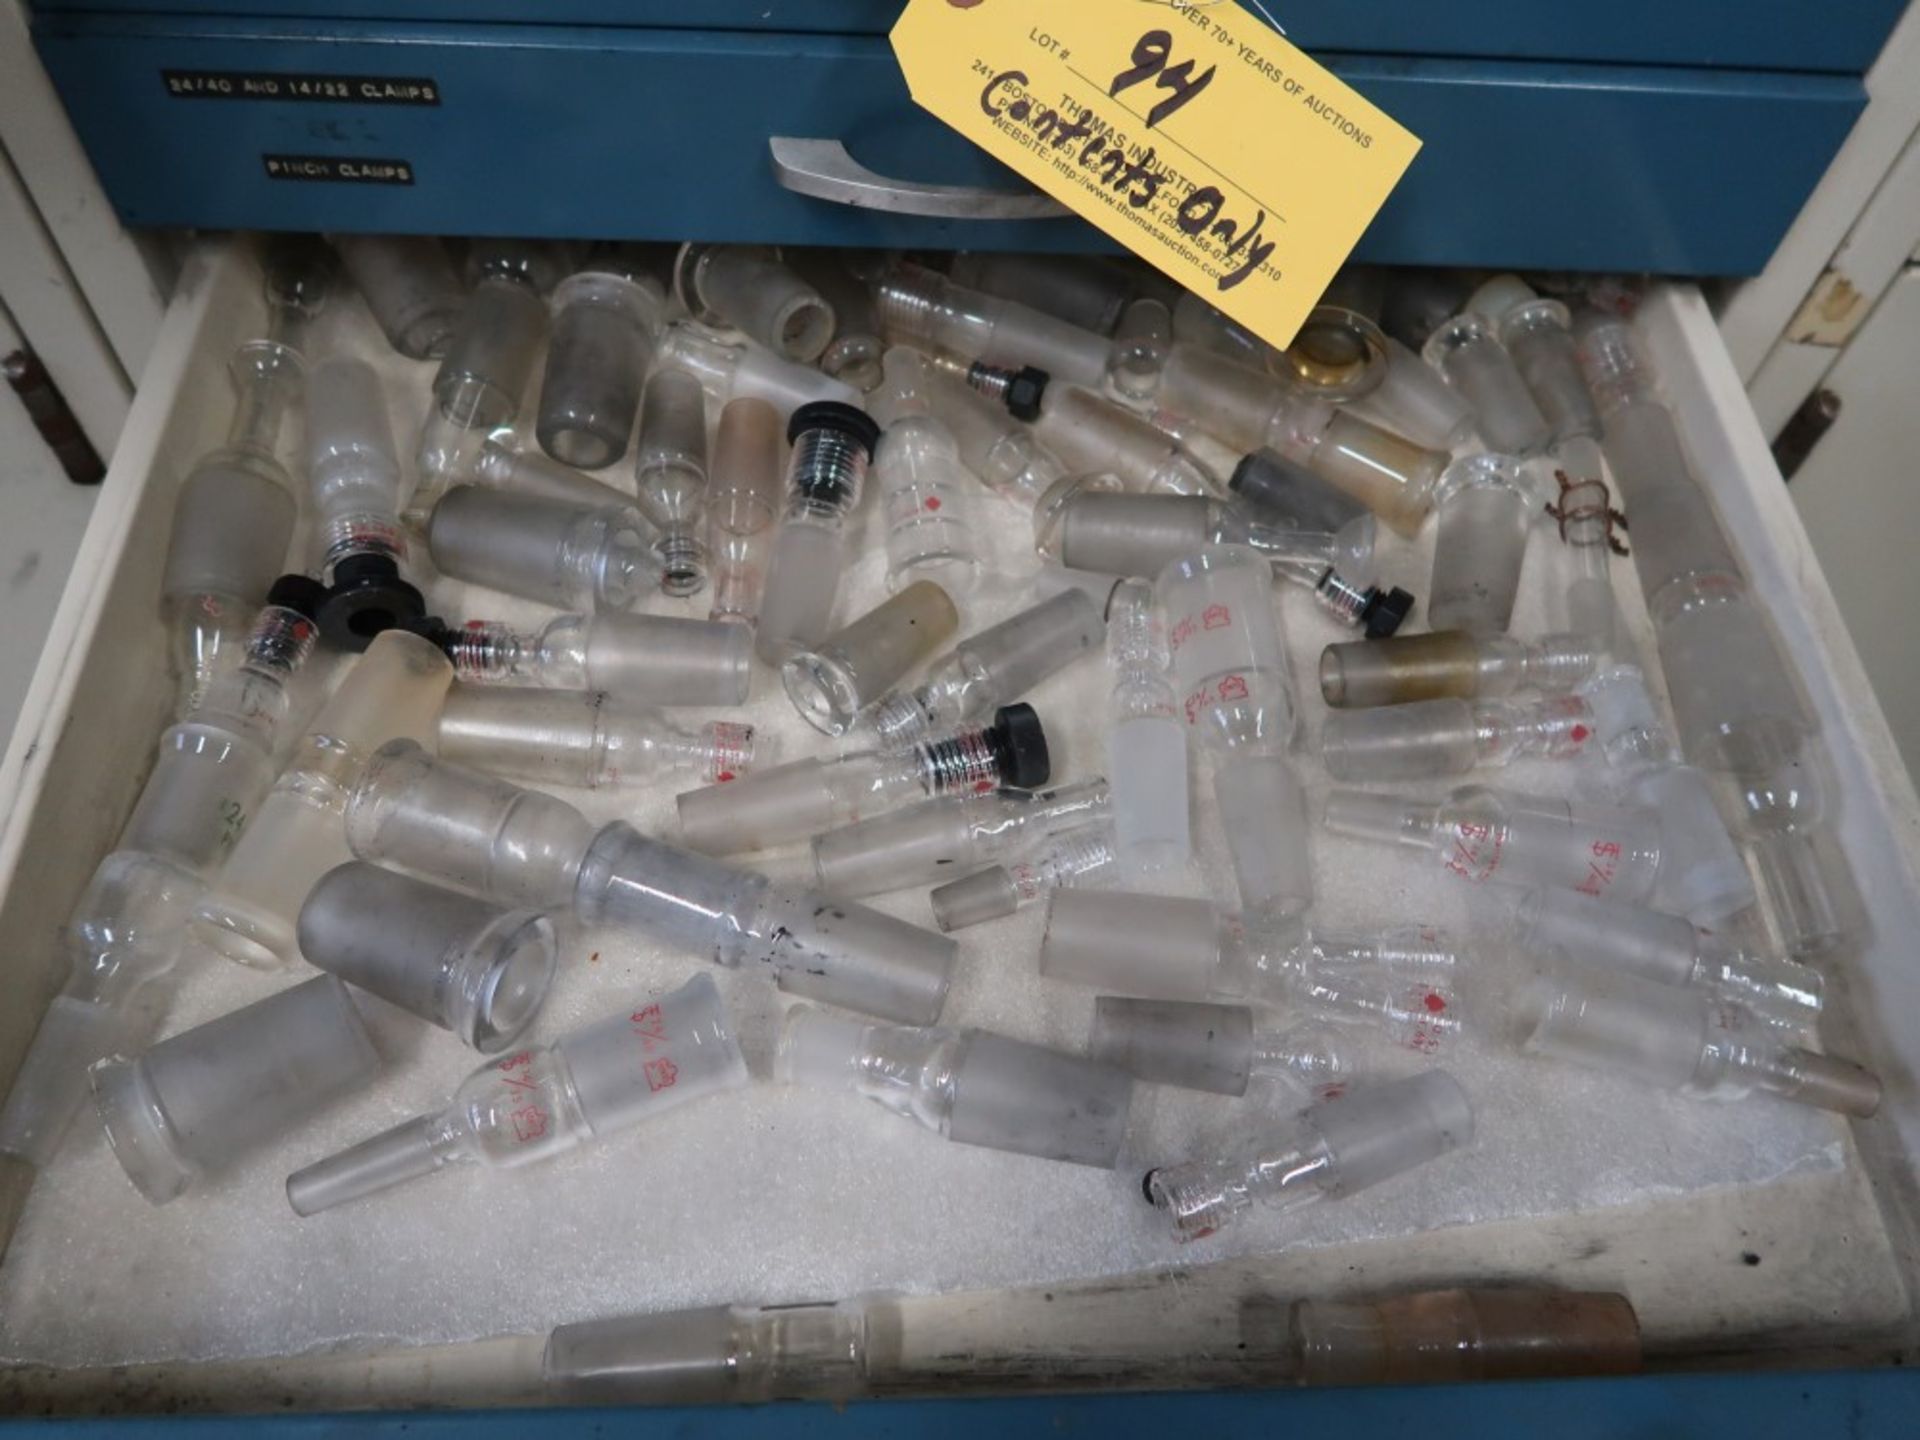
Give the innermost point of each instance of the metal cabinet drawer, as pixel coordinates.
(1734, 33)
(74, 766)
(644, 134)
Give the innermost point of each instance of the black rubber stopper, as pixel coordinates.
(1021, 744)
(1025, 392)
(1385, 613)
(367, 597)
(302, 594)
(849, 420)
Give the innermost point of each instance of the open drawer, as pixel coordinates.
(1817, 1259)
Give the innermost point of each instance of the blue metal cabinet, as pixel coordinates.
(1750, 34)
(661, 133)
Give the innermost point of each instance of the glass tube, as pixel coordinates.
(969, 1086)
(561, 554)
(670, 477)
(500, 466)
(1082, 857)
(1202, 1046)
(1430, 738)
(730, 367)
(1480, 835)
(539, 1102)
(1467, 350)
(750, 288)
(1451, 663)
(580, 737)
(1413, 399)
(743, 504)
(853, 354)
(1326, 1152)
(926, 310)
(1538, 334)
(826, 472)
(990, 669)
(1230, 672)
(1146, 739)
(1486, 506)
(997, 449)
(1086, 291)
(606, 322)
(645, 659)
(925, 496)
(1586, 519)
(409, 285)
(1094, 436)
(806, 797)
(847, 674)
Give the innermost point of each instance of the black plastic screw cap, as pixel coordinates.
(301, 594)
(1386, 613)
(849, 420)
(1025, 391)
(367, 597)
(1020, 741)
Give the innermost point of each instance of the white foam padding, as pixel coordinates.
(772, 1195)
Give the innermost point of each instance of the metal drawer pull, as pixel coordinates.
(824, 170)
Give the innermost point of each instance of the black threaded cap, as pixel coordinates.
(1386, 613)
(301, 594)
(367, 597)
(1020, 743)
(1025, 391)
(849, 420)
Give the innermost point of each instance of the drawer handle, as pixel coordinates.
(824, 170)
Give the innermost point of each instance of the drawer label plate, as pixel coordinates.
(342, 169)
(1187, 130)
(301, 87)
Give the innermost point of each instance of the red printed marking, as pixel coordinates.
(723, 777)
(1234, 687)
(1181, 633)
(520, 1082)
(529, 1123)
(519, 1060)
(933, 502)
(981, 787)
(1434, 1003)
(661, 1074)
(1580, 733)
(651, 1026)
(1215, 617)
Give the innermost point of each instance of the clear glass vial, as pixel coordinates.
(726, 1354)
(833, 445)
(1413, 399)
(353, 474)
(1086, 291)
(234, 516)
(1251, 411)
(833, 684)
(969, 1086)
(1486, 505)
(499, 465)
(1094, 436)
(520, 847)
(199, 1102)
(998, 450)
(1398, 981)
(1146, 739)
(743, 504)
(1201, 1046)
(853, 354)
(645, 659)
(584, 738)
(949, 835)
(1328, 1151)
(1140, 344)
(670, 477)
(1436, 1337)
(1080, 857)
(606, 322)
(1690, 1041)
(1614, 935)
(1430, 738)
(1586, 519)
(990, 669)
(1538, 333)
(1451, 663)
(1230, 674)
(926, 496)
(1274, 490)
(410, 286)
(539, 1102)
(395, 689)
(564, 555)
(750, 288)
(123, 939)
(1467, 350)
(921, 308)
(1140, 535)
(807, 797)
(474, 969)
(731, 367)
(1481, 835)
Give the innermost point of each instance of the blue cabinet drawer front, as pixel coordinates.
(663, 135)
(1740, 34)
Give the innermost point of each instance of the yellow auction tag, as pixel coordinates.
(1188, 131)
